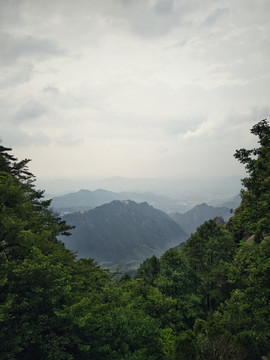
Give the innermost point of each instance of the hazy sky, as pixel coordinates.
(136, 88)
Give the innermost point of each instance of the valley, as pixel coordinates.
(120, 233)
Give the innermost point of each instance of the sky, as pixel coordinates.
(133, 88)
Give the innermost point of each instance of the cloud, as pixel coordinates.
(21, 74)
(11, 13)
(132, 85)
(164, 7)
(19, 138)
(32, 110)
(53, 90)
(146, 19)
(14, 48)
(68, 140)
(215, 16)
(227, 127)
(181, 125)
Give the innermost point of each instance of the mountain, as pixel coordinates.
(231, 203)
(82, 200)
(192, 219)
(210, 187)
(85, 200)
(122, 232)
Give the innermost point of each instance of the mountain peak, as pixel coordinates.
(192, 219)
(123, 231)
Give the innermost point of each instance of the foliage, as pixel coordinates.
(149, 270)
(209, 251)
(246, 314)
(253, 216)
(185, 346)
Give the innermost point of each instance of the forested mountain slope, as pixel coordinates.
(192, 219)
(208, 300)
(122, 231)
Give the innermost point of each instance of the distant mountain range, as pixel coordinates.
(191, 190)
(192, 219)
(122, 232)
(85, 200)
(231, 203)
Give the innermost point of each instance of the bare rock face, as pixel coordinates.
(219, 220)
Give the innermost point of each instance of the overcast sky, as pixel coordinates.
(136, 88)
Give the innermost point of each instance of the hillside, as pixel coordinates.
(122, 232)
(192, 219)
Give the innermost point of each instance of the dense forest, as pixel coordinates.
(207, 300)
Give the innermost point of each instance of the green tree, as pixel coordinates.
(246, 314)
(253, 216)
(23, 211)
(32, 291)
(149, 270)
(175, 280)
(24, 221)
(209, 251)
(185, 347)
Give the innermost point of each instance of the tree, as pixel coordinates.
(149, 270)
(32, 291)
(25, 218)
(253, 216)
(208, 251)
(246, 314)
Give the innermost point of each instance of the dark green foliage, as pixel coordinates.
(25, 218)
(149, 270)
(32, 292)
(209, 251)
(194, 275)
(246, 314)
(25, 221)
(253, 216)
(9, 164)
(185, 346)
